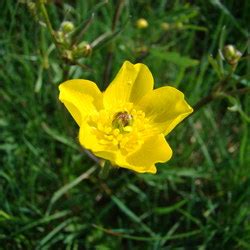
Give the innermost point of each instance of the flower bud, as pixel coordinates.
(165, 26)
(60, 38)
(231, 54)
(178, 25)
(68, 55)
(141, 23)
(67, 26)
(83, 49)
(32, 7)
(142, 49)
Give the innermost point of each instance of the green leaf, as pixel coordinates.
(131, 214)
(58, 137)
(59, 193)
(174, 57)
(223, 8)
(4, 216)
(167, 210)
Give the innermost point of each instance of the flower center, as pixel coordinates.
(125, 128)
(123, 121)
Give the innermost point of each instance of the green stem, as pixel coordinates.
(110, 55)
(218, 87)
(202, 102)
(239, 91)
(48, 24)
(215, 95)
(105, 170)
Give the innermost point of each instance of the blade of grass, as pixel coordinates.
(131, 215)
(46, 240)
(59, 193)
(167, 210)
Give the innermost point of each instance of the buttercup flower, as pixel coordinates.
(128, 122)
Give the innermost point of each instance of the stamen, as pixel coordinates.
(122, 120)
(121, 130)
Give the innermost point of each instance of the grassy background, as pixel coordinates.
(198, 200)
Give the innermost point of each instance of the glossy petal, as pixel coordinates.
(165, 107)
(131, 83)
(89, 141)
(122, 162)
(155, 149)
(81, 98)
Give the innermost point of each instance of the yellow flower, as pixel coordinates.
(126, 124)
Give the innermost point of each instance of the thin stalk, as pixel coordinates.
(48, 24)
(216, 95)
(110, 55)
(105, 170)
(215, 92)
(202, 102)
(239, 91)
(52, 33)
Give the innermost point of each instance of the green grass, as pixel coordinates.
(50, 194)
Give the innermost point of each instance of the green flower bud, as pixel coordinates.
(60, 37)
(165, 26)
(142, 49)
(68, 55)
(67, 26)
(231, 54)
(32, 7)
(178, 25)
(83, 49)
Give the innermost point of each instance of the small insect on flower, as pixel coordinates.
(127, 123)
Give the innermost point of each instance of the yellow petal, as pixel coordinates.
(81, 97)
(121, 161)
(165, 107)
(154, 149)
(89, 141)
(131, 83)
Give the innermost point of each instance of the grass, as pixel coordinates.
(50, 194)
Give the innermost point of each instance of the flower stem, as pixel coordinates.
(202, 102)
(239, 91)
(48, 23)
(215, 95)
(110, 54)
(105, 170)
